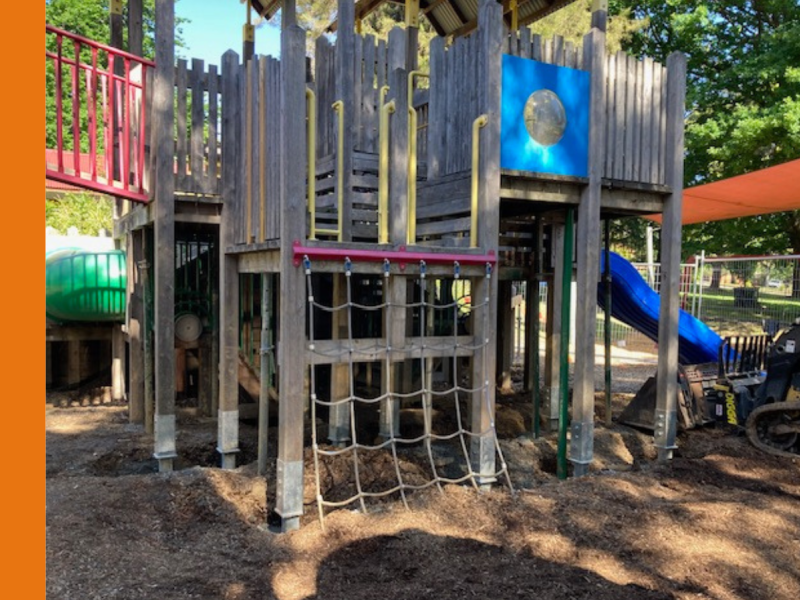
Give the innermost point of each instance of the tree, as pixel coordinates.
(743, 102)
(89, 213)
(574, 21)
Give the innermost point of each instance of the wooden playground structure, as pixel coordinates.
(301, 225)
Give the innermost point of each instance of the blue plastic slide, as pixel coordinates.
(634, 303)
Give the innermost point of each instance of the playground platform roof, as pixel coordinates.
(771, 190)
(447, 17)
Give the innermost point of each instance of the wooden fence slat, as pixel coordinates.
(356, 108)
(630, 92)
(655, 149)
(450, 116)
(662, 136)
(525, 43)
(437, 108)
(619, 116)
(198, 118)
(180, 124)
(213, 116)
(368, 95)
(638, 121)
(611, 120)
(536, 47)
(558, 50)
(645, 169)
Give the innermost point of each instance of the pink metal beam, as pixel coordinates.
(401, 256)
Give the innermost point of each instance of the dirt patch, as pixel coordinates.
(720, 521)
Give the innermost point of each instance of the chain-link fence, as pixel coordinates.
(747, 295)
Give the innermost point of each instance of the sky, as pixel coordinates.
(215, 26)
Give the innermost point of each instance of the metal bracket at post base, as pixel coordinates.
(165, 460)
(665, 433)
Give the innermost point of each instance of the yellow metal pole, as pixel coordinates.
(412, 13)
(514, 8)
(311, 103)
(338, 106)
(477, 125)
(411, 185)
(383, 168)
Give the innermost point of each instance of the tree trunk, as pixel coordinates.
(716, 276)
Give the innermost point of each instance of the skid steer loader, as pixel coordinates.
(754, 386)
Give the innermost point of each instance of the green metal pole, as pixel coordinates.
(566, 302)
(607, 319)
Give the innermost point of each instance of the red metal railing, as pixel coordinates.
(98, 98)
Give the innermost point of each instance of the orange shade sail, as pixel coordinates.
(770, 190)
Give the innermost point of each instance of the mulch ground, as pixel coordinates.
(720, 521)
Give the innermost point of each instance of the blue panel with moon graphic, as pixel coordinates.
(544, 118)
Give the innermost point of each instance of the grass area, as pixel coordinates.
(720, 311)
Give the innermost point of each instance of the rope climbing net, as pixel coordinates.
(453, 453)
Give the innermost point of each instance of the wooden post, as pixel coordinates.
(73, 362)
(118, 367)
(339, 415)
(291, 350)
(345, 91)
(505, 335)
(147, 341)
(490, 40)
(228, 414)
(135, 33)
(667, 386)
(135, 253)
(555, 321)
(164, 181)
(588, 259)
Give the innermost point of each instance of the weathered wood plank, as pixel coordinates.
(588, 259)
(164, 235)
(213, 128)
(536, 47)
(291, 347)
(198, 123)
(525, 42)
(558, 50)
(358, 78)
(181, 85)
(611, 120)
(398, 158)
(663, 157)
(666, 389)
(630, 115)
(370, 122)
(451, 114)
(619, 115)
(645, 166)
(346, 92)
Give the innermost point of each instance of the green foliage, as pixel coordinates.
(574, 21)
(743, 102)
(90, 19)
(88, 212)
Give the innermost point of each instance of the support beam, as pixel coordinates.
(345, 91)
(667, 387)
(339, 415)
(291, 340)
(135, 324)
(164, 180)
(135, 31)
(490, 44)
(228, 413)
(118, 367)
(588, 259)
(555, 321)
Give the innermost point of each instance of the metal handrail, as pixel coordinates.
(383, 168)
(411, 227)
(477, 125)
